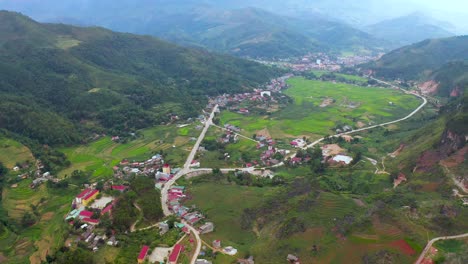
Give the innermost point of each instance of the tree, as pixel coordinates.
(28, 219)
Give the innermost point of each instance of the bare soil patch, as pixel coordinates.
(332, 149)
(264, 132)
(455, 159)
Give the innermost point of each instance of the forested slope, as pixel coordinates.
(58, 82)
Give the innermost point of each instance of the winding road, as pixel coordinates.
(186, 169)
(432, 241)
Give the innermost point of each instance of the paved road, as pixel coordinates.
(186, 169)
(429, 245)
(182, 172)
(240, 135)
(369, 127)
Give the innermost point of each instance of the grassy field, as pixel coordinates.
(100, 156)
(224, 204)
(215, 158)
(12, 152)
(348, 77)
(352, 104)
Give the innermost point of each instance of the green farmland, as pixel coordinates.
(312, 116)
(100, 156)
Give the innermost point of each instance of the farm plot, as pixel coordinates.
(308, 116)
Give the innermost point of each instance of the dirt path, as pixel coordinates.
(132, 228)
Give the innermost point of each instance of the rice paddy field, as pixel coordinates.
(319, 107)
(100, 156)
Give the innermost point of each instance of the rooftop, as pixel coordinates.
(143, 252)
(175, 253)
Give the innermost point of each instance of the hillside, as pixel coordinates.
(409, 29)
(440, 60)
(246, 31)
(61, 82)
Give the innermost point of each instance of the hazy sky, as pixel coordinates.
(446, 5)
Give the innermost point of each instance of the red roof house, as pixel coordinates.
(86, 214)
(119, 187)
(107, 209)
(91, 221)
(143, 253)
(83, 193)
(178, 248)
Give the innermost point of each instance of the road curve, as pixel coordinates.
(186, 169)
(432, 241)
(182, 172)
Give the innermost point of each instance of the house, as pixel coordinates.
(249, 260)
(143, 254)
(120, 188)
(163, 228)
(195, 164)
(85, 214)
(206, 228)
(160, 176)
(90, 221)
(217, 243)
(342, 159)
(88, 198)
(298, 143)
(174, 256)
(107, 209)
(166, 169)
(186, 230)
(292, 259)
(230, 250)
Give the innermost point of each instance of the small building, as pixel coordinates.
(85, 214)
(292, 259)
(342, 158)
(203, 261)
(90, 221)
(230, 250)
(143, 254)
(217, 244)
(120, 188)
(89, 197)
(107, 209)
(206, 228)
(174, 256)
(166, 169)
(163, 228)
(195, 164)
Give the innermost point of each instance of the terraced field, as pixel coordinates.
(12, 152)
(100, 156)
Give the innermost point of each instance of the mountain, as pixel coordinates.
(429, 60)
(60, 82)
(247, 31)
(410, 29)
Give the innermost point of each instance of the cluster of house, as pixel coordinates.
(267, 93)
(322, 61)
(345, 128)
(269, 156)
(94, 240)
(148, 167)
(175, 195)
(172, 258)
(87, 209)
